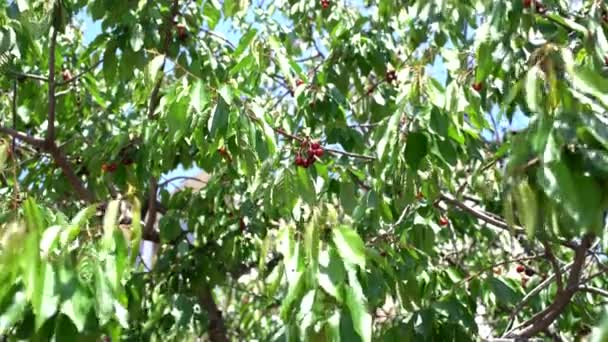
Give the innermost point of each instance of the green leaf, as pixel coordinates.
(110, 63)
(177, 119)
(77, 307)
(416, 149)
(348, 196)
(155, 65)
(579, 195)
(109, 224)
(14, 312)
(357, 305)
(349, 245)
(49, 239)
(527, 205)
(137, 38)
(46, 300)
(586, 79)
(533, 94)
(245, 41)
(103, 296)
(226, 93)
(4, 151)
(331, 273)
(219, 121)
(282, 59)
(306, 188)
(294, 294)
(198, 96)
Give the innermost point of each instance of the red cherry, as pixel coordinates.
(315, 146)
(300, 161)
(477, 86)
(540, 7)
(299, 83)
(182, 32)
(527, 3)
(318, 152)
(310, 161)
(443, 221)
(520, 268)
(325, 4)
(311, 152)
(66, 75)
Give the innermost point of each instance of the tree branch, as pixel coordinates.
(149, 228)
(154, 97)
(82, 192)
(217, 328)
(23, 137)
(50, 137)
(542, 320)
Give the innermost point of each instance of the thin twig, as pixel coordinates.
(166, 182)
(82, 73)
(554, 264)
(480, 214)
(28, 75)
(594, 290)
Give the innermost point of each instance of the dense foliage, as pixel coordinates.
(363, 184)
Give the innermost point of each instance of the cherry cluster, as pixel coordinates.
(112, 167)
(308, 154)
(325, 4)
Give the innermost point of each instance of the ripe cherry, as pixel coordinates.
(443, 221)
(111, 167)
(182, 31)
(325, 4)
(529, 272)
(311, 152)
(315, 146)
(520, 268)
(318, 152)
(300, 161)
(66, 75)
(477, 86)
(540, 7)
